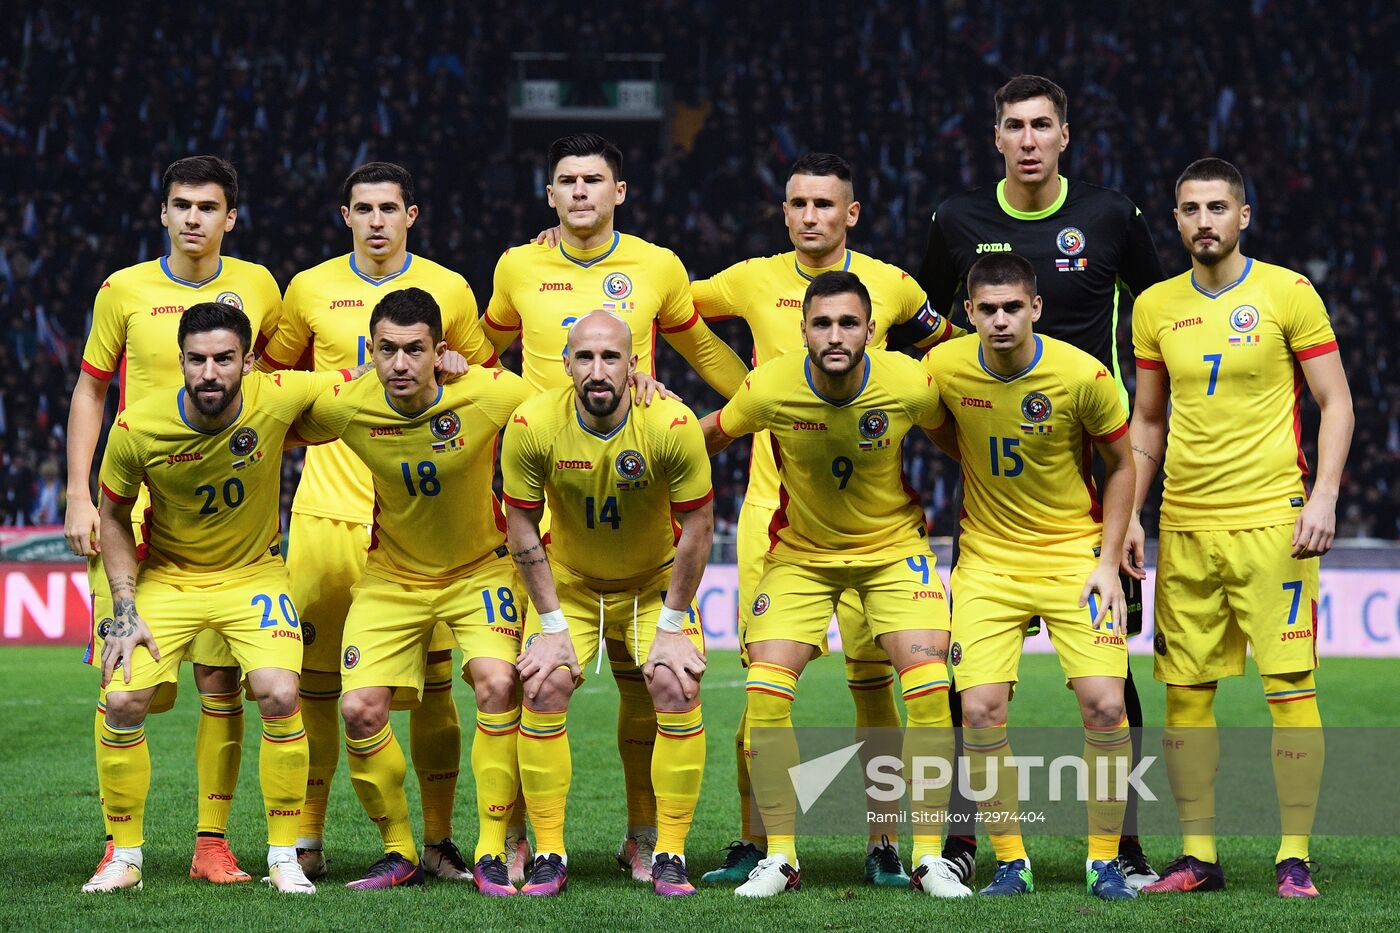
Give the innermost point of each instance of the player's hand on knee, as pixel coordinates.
(453, 365)
(1135, 549)
(678, 654)
(648, 388)
(1315, 528)
(548, 237)
(81, 527)
(1104, 583)
(128, 632)
(542, 656)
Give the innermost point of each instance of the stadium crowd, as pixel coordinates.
(93, 104)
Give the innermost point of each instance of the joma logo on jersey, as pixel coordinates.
(346, 303)
(1186, 322)
(167, 309)
(993, 248)
(1291, 636)
(928, 594)
(809, 426)
(573, 465)
(788, 303)
(385, 432)
(969, 402)
(1109, 640)
(172, 459)
(556, 286)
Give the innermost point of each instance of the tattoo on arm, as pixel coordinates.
(520, 556)
(124, 623)
(1139, 450)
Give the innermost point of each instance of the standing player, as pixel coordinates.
(1023, 411)
(134, 321)
(628, 489)
(846, 520)
(437, 554)
(1229, 345)
(325, 314)
(819, 209)
(210, 457)
(1086, 244)
(538, 292)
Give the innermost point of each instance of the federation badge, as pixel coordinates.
(352, 657)
(955, 654)
(104, 627)
(1244, 319)
(243, 442)
(760, 604)
(617, 286)
(231, 299)
(308, 633)
(445, 425)
(873, 424)
(1159, 643)
(630, 465)
(1035, 407)
(1071, 241)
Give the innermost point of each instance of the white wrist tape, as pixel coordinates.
(671, 620)
(552, 623)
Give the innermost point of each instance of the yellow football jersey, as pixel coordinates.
(1234, 444)
(214, 497)
(326, 311)
(1029, 501)
(540, 292)
(842, 496)
(435, 516)
(767, 293)
(136, 320)
(610, 498)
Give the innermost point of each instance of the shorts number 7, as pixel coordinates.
(1297, 589)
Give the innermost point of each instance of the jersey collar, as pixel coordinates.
(1039, 350)
(1041, 214)
(844, 265)
(589, 257)
(1248, 264)
(841, 403)
(165, 267)
(180, 407)
(602, 437)
(407, 261)
(410, 415)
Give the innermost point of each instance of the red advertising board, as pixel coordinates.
(44, 603)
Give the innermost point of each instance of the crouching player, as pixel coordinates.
(629, 493)
(437, 553)
(211, 456)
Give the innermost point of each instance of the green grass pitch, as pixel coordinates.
(50, 832)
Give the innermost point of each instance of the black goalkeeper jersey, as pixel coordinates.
(1082, 247)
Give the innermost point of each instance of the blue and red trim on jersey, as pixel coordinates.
(189, 283)
(1248, 264)
(407, 261)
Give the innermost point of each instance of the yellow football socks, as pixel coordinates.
(872, 689)
(750, 820)
(1191, 747)
(636, 737)
(218, 752)
(983, 746)
(546, 769)
(282, 760)
(320, 711)
(377, 769)
(770, 691)
(435, 739)
(677, 766)
(124, 774)
(929, 735)
(1298, 755)
(497, 776)
(1108, 754)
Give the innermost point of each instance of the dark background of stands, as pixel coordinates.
(96, 98)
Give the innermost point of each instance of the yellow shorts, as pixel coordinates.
(325, 559)
(391, 623)
(990, 611)
(795, 603)
(1217, 590)
(625, 615)
(752, 540)
(255, 615)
